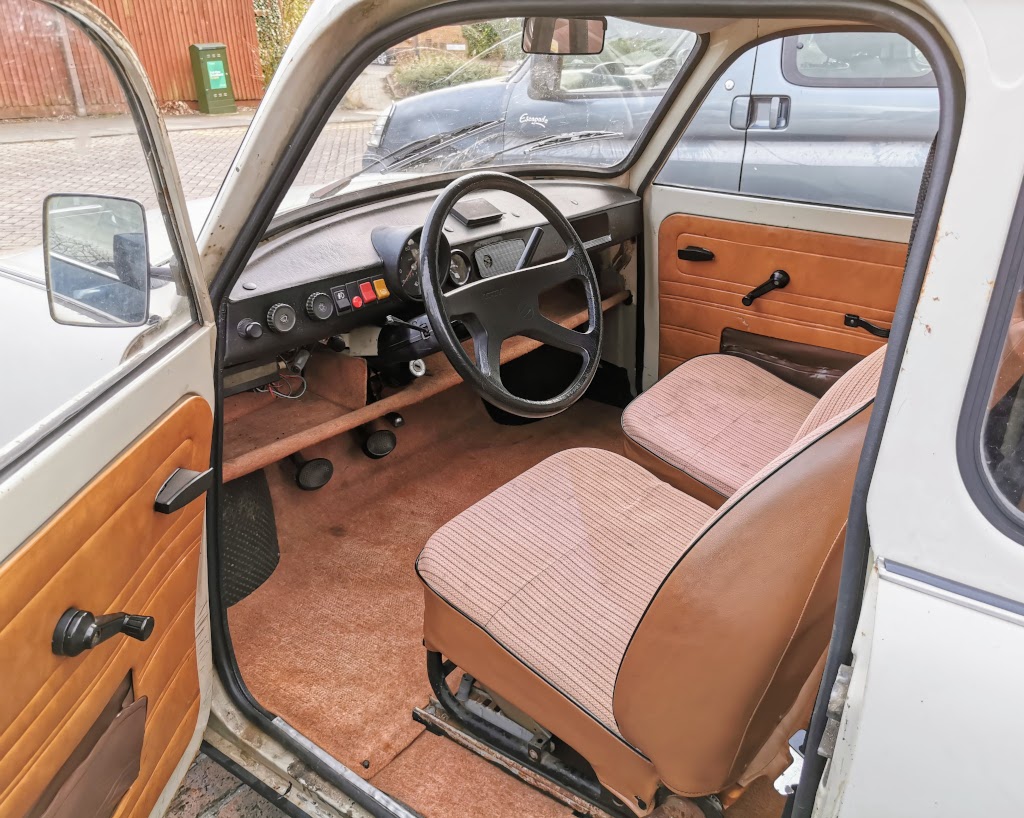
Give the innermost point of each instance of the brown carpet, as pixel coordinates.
(332, 642)
(759, 800)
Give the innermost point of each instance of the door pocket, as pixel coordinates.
(103, 767)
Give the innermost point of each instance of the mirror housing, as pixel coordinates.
(564, 35)
(96, 255)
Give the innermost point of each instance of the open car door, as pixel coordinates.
(105, 660)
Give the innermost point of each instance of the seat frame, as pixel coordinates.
(583, 784)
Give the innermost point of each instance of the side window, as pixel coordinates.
(1002, 435)
(90, 278)
(836, 118)
(855, 60)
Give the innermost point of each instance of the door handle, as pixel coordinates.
(857, 322)
(694, 253)
(777, 280)
(739, 114)
(769, 113)
(79, 630)
(182, 488)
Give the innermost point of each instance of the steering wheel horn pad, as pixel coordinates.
(503, 306)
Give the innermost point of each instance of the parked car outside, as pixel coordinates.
(856, 111)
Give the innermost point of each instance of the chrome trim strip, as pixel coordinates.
(966, 596)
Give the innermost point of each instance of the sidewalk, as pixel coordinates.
(102, 155)
(50, 130)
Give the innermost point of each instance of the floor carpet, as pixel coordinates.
(332, 641)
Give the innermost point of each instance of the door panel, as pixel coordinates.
(107, 550)
(831, 275)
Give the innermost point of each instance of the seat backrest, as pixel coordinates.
(738, 625)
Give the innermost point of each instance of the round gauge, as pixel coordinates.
(460, 268)
(409, 271)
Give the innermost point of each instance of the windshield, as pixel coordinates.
(467, 97)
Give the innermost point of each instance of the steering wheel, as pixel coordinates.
(506, 305)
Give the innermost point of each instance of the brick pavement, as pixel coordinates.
(210, 791)
(114, 165)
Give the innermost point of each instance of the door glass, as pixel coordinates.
(863, 59)
(1003, 429)
(463, 97)
(118, 291)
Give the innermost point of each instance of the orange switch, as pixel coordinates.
(381, 288)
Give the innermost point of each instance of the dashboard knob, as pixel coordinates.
(281, 318)
(319, 306)
(250, 329)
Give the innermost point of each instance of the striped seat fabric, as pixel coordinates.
(721, 419)
(576, 546)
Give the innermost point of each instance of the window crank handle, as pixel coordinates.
(777, 280)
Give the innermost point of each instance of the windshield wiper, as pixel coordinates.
(564, 138)
(542, 142)
(408, 154)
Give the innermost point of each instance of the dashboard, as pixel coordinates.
(356, 268)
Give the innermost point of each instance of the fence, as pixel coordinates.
(49, 68)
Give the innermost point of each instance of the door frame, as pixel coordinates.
(54, 462)
(152, 133)
(287, 145)
(856, 556)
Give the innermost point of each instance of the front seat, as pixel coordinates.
(667, 643)
(713, 422)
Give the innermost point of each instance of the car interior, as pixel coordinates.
(535, 492)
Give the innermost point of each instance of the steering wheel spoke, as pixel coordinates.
(564, 338)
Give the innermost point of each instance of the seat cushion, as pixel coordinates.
(719, 419)
(558, 566)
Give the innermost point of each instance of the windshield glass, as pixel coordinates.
(466, 96)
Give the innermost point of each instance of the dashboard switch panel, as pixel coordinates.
(319, 307)
(367, 292)
(341, 300)
(281, 318)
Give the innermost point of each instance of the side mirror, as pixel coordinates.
(562, 35)
(97, 260)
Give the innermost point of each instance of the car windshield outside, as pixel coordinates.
(465, 97)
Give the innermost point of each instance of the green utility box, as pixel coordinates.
(212, 78)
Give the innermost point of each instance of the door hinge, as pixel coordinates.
(786, 783)
(834, 711)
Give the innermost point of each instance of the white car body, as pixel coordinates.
(931, 724)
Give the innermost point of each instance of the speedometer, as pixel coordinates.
(399, 250)
(409, 271)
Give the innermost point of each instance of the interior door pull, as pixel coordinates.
(78, 631)
(182, 488)
(777, 280)
(693, 253)
(857, 322)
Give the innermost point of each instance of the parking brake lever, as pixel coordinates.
(777, 280)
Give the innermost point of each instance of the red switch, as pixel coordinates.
(357, 302)
(366, 291)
